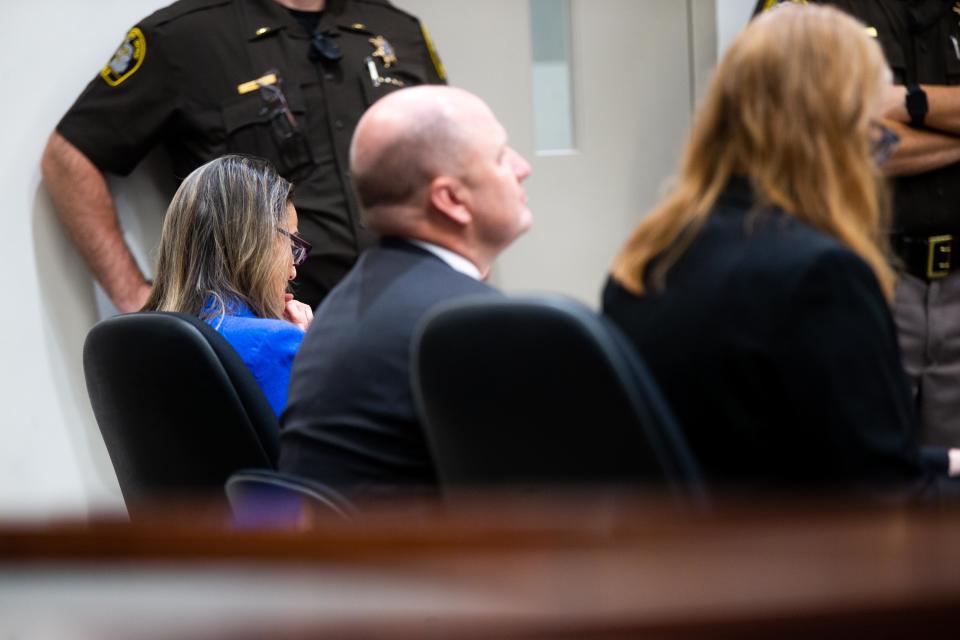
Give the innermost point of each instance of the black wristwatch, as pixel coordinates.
(917, 105)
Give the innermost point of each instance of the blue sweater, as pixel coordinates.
(265, 345)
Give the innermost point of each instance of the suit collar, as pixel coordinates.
(454, 260)
(398, 243)
(737, 193)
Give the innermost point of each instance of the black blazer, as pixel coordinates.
(778, 352)
(350, 419)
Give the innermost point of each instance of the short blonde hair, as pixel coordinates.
(789, 107)
(219, 241)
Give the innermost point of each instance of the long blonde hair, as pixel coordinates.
(219, 244)
(789, 107)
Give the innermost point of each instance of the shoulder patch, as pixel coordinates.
(127, 59)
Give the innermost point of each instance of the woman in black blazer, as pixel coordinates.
(758, 289)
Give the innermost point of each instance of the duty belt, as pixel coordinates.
(927, 257)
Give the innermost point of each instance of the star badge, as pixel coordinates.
(384, 50)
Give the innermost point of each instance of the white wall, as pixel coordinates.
(52, 460)
(732, 15)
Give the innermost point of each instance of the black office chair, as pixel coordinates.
(542, 392)
(263, 498)
(177, 408)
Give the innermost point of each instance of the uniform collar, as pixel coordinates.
(273, 16)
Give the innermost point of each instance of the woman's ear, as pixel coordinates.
(451, 197)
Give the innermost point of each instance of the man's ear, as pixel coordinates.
(450, 197)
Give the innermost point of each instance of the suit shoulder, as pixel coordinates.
(765, 245)
(807, 237)
(836, 257)
(788, 234)
(829, 270)
(180, 9)
(458, 285)
(430, 277)
(804, 249)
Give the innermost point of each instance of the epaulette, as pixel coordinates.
(179, 9)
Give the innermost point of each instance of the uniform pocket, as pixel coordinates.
(896, 59)
(261, 123)
(379, 81)
(952, 56)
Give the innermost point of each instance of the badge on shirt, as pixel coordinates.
(127, 59)
(384, 50)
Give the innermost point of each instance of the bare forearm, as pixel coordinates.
(920, 151)
(943, 107)
(86, 210)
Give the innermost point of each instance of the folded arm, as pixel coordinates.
(920, 150)
(943, 107)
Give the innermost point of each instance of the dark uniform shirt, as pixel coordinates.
(182, 78)
(921, 41)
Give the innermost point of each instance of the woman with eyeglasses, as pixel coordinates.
(228, 250)
(758, 289)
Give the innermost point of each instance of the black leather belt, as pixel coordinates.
(927, 257)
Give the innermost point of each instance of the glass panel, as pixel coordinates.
(552, 75)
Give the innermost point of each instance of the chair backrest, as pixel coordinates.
(542, 391)
(263, 498)
(177, 407)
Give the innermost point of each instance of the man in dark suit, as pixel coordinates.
(435, 178)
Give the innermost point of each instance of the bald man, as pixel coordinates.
(436, 179)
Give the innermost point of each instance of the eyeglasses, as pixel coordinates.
(301, 248)
(883, 142)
